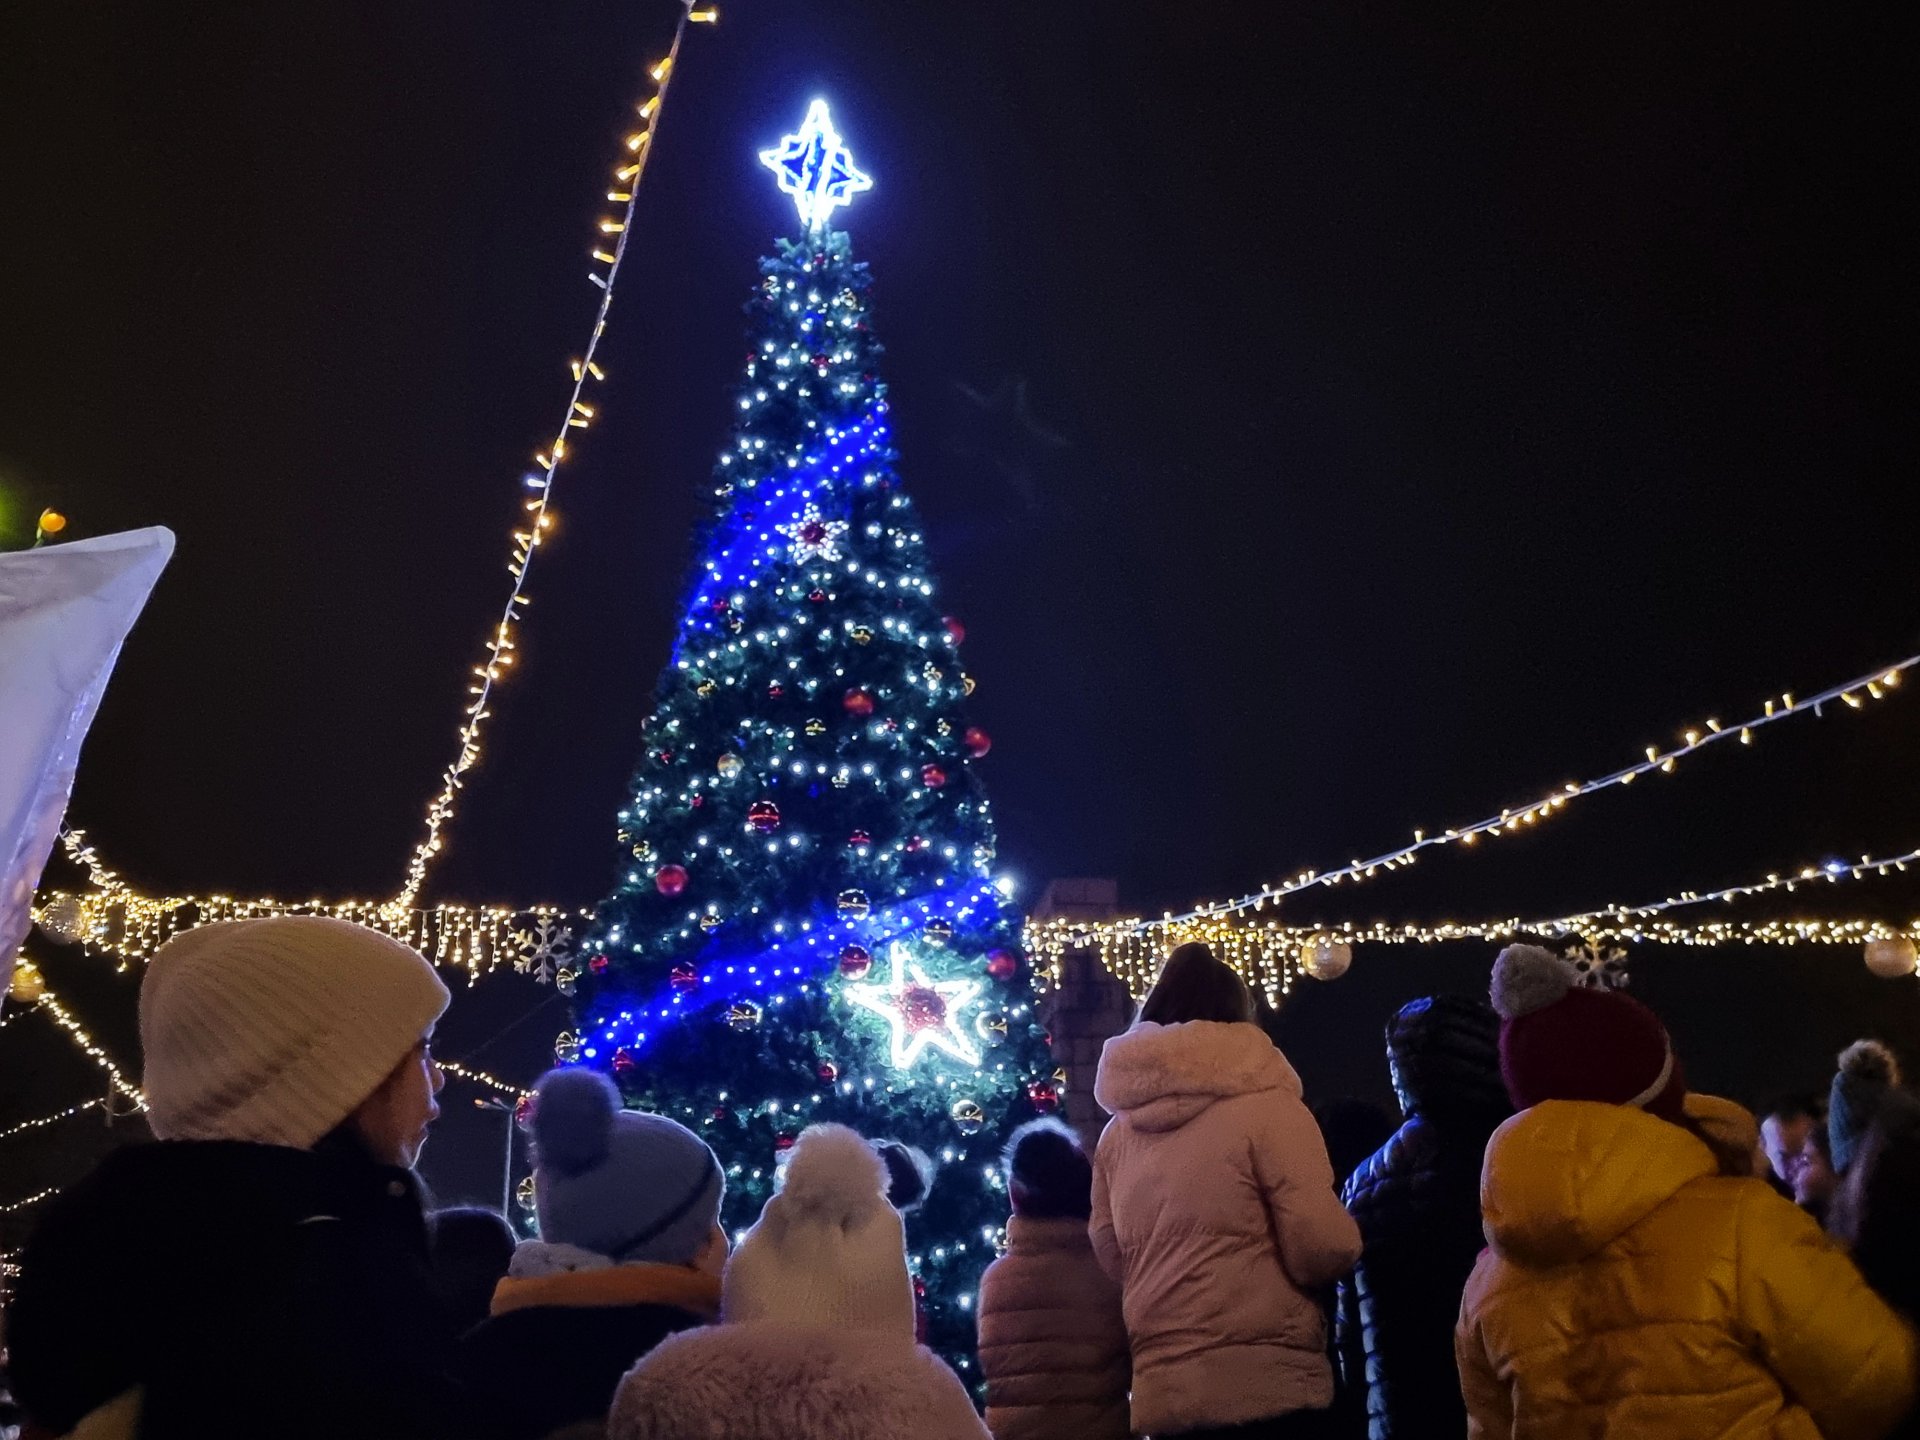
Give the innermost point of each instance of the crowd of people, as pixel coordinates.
(1559, 1239)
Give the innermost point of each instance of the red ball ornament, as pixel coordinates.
(764, 816)
(683, 977)
(829, 1072)
(820, 362)
(670, 879)
(783, 1142)
(818, 597)
(1045, 1096)
(624, 1063)
(858, 702)
(919, 1288)
(915, 844)
(812, 533)
(956, 632)
(523, 1112)
(1003, 964)
(932, 776)
(859, 838)
(719, 607)
(977, 741)
(698, 801)
(855, 961)
(776, 690)
(922, 1008)
(598, 964)
(718, 1113)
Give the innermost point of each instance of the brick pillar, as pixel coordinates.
(1087, 1008)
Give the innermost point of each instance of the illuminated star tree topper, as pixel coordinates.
(815, 167)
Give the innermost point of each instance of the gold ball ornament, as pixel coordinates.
(968, 1117)
(566, 1047)
(566, 981)
(62, 920)
(816, 726)
(862, 635)
(1892, 958)
(711, 923)
(28, 983)
(1326, 959)
(704, 689)
(854, 904)
(743, 1015)
(523, 1193)
(729, 765)
(937, 933)
(52, 522)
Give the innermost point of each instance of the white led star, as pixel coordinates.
(815, 168)
(922, 1012)
(814, 536)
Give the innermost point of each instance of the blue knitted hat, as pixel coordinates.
(627, 1185)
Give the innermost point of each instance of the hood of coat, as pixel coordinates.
(1162, 1076)
(1028, 1235)
(767, 1381)
(1569, 1176)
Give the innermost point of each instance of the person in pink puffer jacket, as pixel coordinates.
(1214, 1207)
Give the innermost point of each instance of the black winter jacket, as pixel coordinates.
(248, 1290)
(1417, 1202)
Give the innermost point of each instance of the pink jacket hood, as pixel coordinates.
(1162, 1076)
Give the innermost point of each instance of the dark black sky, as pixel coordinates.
(1455, 399)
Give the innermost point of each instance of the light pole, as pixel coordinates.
(506, 1164)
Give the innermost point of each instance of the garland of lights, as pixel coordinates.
(579, 415)
(46, 1120)
(1709, 732)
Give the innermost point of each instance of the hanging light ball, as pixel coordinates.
(1891, 958)
(977, 741)
(523, 1194)
(683, 977)
(743, 1015)
(856, 961)
(764, 816)
(566, 1047)
(61, 920)
(968, 1117)
(1003, 963)
(670, 879)
(1045, 1096)
(956, 632)
(858, 702)
(853, 904)
(623, 1062)
(932, 776)
(729, 765)
(1326, 959)
(937, 933)
(28, 983)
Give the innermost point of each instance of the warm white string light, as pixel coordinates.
(33, 1199)
(465, 1072)
(53, 1119)
(61, 1016)
(499, 646)
(1875, 685)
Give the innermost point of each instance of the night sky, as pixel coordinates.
(1329, 419)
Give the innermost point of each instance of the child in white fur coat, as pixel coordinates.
(816, 1340)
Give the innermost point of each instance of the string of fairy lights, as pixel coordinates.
(498, 650)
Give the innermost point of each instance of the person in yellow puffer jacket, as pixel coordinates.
(1630, 1290)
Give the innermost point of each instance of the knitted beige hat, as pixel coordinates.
(276, 1030)
(828, 1249)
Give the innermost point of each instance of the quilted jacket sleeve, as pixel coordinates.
(1106, 1248)
(1832, 1342)
(1318, 1240)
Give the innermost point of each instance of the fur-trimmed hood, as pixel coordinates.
(789, 1382)
(1161, 1076)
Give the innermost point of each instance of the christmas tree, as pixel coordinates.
(807, 927)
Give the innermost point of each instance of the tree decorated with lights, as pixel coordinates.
(807, 927)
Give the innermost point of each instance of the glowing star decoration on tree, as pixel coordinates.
(922, 1012)
(816, 168)
(814, 536)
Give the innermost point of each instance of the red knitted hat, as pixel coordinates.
(1562, 1041)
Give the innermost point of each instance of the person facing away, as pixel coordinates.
(630, 1252)
(263, 1269)
(1873, 1214)
(1868, 1073)
(1417, 1202)
(816, 1333)
(1214, 1208)
(1053, 1345)
(1629, 1288)
(469, 1248)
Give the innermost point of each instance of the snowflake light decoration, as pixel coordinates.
(1598, 967)
(542, 949)
(816, 168)
(921, 1012)
(814, 536)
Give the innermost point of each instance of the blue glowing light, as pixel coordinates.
(815, 167)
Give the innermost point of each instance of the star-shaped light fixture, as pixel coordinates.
(816, 168)
(814, 536)
(922, 1012)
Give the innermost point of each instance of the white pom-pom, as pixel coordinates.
(573, 1114)
(1527, 978)
(834, 1175)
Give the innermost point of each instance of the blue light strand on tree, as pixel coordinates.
(806, 926)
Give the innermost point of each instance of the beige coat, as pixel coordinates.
(1213, 1205)
(1052, 1343)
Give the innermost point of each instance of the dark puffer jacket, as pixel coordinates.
(1417, 1201)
